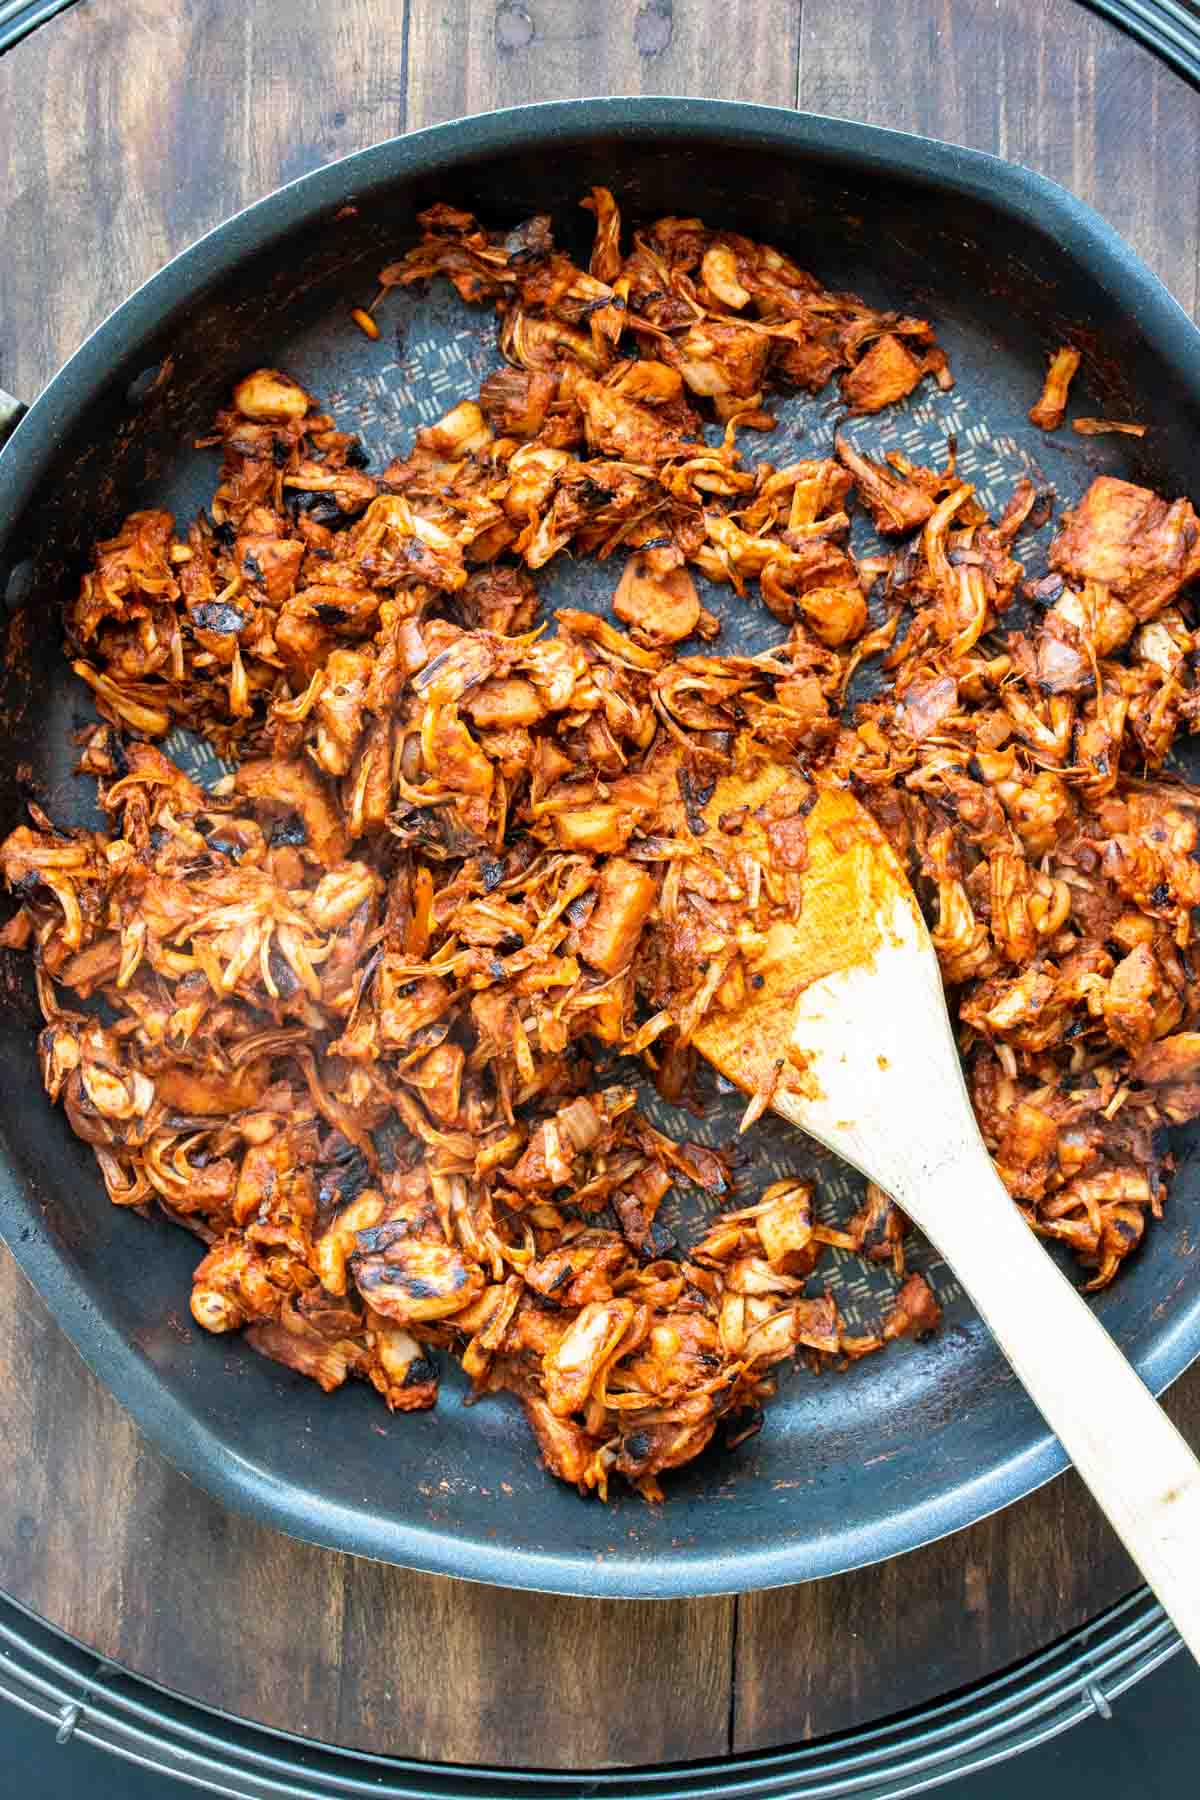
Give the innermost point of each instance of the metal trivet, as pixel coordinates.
(1081, 1677)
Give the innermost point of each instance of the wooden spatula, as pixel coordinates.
(850, 1013)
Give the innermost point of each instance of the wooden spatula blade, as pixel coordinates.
(846, 1030)
(830, 1024)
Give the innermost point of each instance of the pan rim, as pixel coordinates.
(201, 1454)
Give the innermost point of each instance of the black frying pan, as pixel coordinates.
(849, 1468)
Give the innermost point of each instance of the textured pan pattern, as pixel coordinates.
(849, 1469)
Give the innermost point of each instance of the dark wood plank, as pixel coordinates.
(101, 1537)
(530, 1679)
(128, 131)
(823, 1658)
(124, 133)
(472, 55)
(1049, 85)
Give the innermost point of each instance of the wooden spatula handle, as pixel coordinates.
(872, 1070)
(1128, 1452)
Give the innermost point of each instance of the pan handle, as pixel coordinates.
(11, 413)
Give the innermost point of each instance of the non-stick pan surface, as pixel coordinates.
(849, 1468)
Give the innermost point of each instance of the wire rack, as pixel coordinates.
(1081, 1677)
(1171, 28)
(19, 17)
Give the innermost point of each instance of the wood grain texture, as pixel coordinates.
(821, 1658)
(474, 55)
(1048, 85)
(101, 1537)
(127, 128)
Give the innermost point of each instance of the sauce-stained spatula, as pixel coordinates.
(848, 1000)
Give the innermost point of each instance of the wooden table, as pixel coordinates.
(127, 127)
